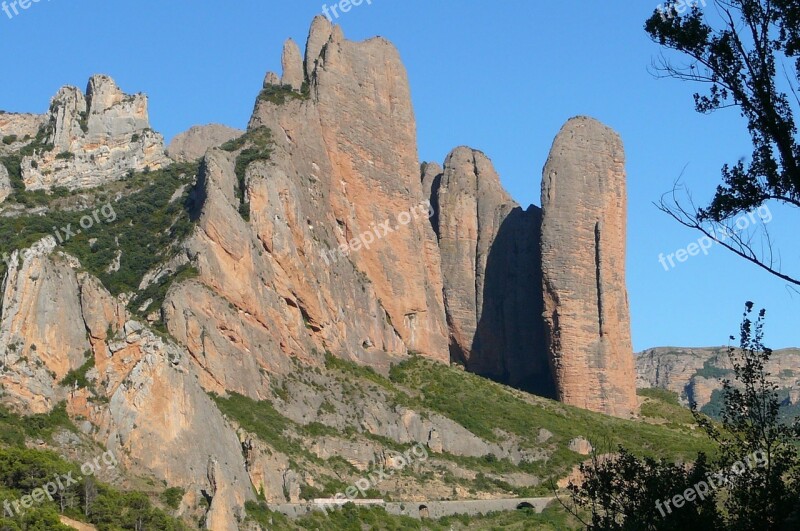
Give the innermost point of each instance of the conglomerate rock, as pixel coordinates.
(583, 265)
(492, 273)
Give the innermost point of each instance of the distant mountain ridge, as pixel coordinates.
(696, 374)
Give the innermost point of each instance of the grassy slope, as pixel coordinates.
(483, 407)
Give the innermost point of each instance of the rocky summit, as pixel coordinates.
(85, 140)
(264, 301)
(584, 206)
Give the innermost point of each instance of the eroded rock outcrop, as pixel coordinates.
(17, 128)
(193, 143)
(696, 373)
(144, 401)
(491, 267)
(352, 137)
(292, 63)
(583, 265)
(42, 335)
(5, 184)
(94, 138)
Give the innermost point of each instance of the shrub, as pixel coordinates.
(280, 94)
(77, 377)
(258, 144)
(172, 497)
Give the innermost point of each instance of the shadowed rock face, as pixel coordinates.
(583, 259)
(509, 344)
(491, 268)
(193, 143)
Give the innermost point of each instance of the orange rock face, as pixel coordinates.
(583, 265)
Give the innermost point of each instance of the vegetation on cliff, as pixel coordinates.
(24, 469)
(150, 218)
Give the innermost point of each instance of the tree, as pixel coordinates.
(624, 492)
(764, 492)
(744, 63)
(89, 495)
(756, 467)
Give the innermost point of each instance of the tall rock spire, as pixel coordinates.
(583, 265)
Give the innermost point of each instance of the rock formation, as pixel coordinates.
(315, 235)
(695, 373)
(92, 139)
(5, 184)
(355, 137)
(53, 319)
(491, 267)
(292, 63)
(311, 266)
(18, 128)
(583, 265)
(193, 143)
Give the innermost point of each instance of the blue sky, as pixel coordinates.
(501, 77)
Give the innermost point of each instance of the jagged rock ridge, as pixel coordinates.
(284, 275)
(90, 139)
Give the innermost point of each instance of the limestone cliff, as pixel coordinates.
(144, 402)
(696, 373)
(19, 128)
(583, 264)
(92, 139)
(193, 143)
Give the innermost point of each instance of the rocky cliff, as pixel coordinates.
(5, 184)
(89, 139)
(491, 265)
(696, 374)
(291, 257)
(583, 264)
(193, 143)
